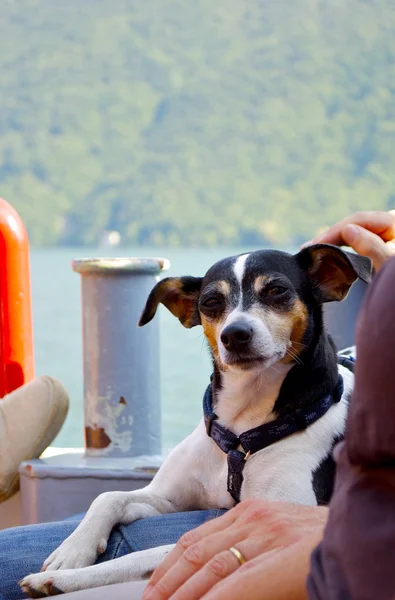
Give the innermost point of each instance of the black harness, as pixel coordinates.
(263, 436)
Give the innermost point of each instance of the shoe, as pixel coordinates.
(30, 419)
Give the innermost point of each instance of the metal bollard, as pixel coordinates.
(121, 399)
(121, 361)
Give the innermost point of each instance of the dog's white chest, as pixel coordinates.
(284, 471)
(213, 478)
(281, 472)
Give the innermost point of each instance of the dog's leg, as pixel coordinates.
(174, 488)
(137, 565)
(90, 538)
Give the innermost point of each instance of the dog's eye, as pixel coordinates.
(276, 290)
(212, 302)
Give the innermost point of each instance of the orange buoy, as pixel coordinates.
(16, 324)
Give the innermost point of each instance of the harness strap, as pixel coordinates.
(262, 436)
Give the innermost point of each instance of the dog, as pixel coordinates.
(276, 405)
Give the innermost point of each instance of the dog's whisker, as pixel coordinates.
(299, 344)
(293, 352)
(295, 357)
(200, 335)
(274, 369)
(298, 361)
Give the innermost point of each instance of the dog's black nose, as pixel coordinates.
(236, 337)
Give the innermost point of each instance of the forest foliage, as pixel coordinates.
(195, 122)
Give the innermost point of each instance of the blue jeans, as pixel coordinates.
(24, 549)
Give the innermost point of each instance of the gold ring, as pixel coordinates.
(238, 555)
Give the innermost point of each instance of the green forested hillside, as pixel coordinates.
(195, 122)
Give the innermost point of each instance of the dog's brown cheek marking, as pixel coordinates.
(297, 319)
(301, 317)
(210, 331)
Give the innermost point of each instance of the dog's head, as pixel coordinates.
(258, 309)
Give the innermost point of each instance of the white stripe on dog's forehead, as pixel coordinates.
(239, 267)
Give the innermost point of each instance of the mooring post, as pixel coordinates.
(121, 395)
(121, 361)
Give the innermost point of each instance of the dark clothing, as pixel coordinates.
(356, 559)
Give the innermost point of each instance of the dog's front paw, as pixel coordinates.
(74, 553)
(41, 585)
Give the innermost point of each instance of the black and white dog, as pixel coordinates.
(275, 407)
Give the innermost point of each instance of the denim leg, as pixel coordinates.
(24, 549)
(164, 529)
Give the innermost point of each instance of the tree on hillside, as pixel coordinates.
(196, 123)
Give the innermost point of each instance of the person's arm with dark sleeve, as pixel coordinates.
(356, 558)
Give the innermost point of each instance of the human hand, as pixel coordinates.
(370, 233)
(201, 558)
(279, 574)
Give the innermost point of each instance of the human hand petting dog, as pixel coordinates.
(263, 534)
(370, 233)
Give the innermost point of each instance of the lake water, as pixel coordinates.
(185, 363)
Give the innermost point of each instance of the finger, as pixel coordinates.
(193, 560)
(189, 539)
(192, 538)
(278, 575)
(381, 223)
(245, 582)
(220, 566)
(367, 244)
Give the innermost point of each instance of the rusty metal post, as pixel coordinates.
(121, 396)
(121, 361)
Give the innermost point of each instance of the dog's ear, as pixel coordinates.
(180, 295)
(333, 270)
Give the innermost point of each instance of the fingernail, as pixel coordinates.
(306, 244)
(351, 232)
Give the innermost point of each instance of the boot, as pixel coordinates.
(30, 419)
